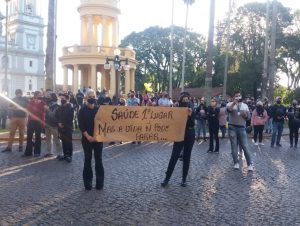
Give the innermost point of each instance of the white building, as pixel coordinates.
(25, 47)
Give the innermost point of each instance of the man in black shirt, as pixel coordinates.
(278, 113)
(65, 116)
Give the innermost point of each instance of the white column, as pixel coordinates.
(127, 82)
(83, 31)
(104, 26)
(93, 77)
(103, 79)
(65, 84)
(95, 40)
(112, 89)
(132, 79)
(90, 30)
(75, 79)
(115, 32)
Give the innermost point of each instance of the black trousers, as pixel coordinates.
(258, 130)
(66, 140)
(187, 146)
(213, 135)
(87, 168)
(294, 131)
(33, 127)
(3, 117)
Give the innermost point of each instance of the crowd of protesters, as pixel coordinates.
(56, 115)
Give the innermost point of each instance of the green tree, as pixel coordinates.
(152, 52)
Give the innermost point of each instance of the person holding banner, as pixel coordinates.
(86, 117)
(186, 145)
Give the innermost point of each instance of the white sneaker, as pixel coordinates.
(236, 166)
(262, 144)
(256, 144)
(250, 167)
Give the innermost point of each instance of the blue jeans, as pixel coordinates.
(238, 134)
(277, 130)
(268, 125)
(201, 125)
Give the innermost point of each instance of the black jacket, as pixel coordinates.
(278, 113)
(50, 115)
(65, 115)
(86, 118)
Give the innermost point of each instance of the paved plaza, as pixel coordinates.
(38, 191)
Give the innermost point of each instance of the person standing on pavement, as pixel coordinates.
(186, 145)
(17, 114)
(35, 124)
(238, 113)
(223, 119)
(278, 113)
(200, 116)
(86, 118)
(258, 121)
(65, 116)
(213, 125)
(51, 127)
(293, 115)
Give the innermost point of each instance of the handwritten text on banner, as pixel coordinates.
(119, 123)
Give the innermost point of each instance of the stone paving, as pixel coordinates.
(38, 191)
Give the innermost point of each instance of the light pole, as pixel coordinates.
(5, 59)
(118, 67)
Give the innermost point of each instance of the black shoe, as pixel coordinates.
(48, 155)
(183, 183)
(205, 139)
(111, 143)
(209, 151)
(99, 186)
(27, 155)
(68, 159)
(60, 158)
(133, 142)
(6, 150)
(88, 186)
(36, 155)
(165, 183)
(139, 142)
(278, 145)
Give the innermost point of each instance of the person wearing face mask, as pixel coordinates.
(51, 127)
(164, 101)
(278, 114)
(86, 118)
(186, 145)
(17, 112)
(65, 116)
(213, 125)
(35, 124)
(258, 120)
(132, 100)
(293, 114)
(238, 113)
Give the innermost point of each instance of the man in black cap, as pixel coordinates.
(65, 116)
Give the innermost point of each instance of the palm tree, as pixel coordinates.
(210, 45)
(51, 46)
(188, 3)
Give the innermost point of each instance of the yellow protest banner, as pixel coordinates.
(120, 123)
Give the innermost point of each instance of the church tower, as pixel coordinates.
(99, 40)
(25, 47)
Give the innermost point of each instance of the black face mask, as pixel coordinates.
(91, 101)
(184, 104)
(132, 96)
(294, 104)
(240, 100)
(63, 102)
(278, 101)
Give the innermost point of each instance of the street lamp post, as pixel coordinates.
(118, 67)
(6, 49)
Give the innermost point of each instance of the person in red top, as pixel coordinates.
(35, 124)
